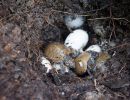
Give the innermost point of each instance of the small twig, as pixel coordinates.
(113, 24)
(99, 8)
(47, 19)
(12, 15)
(69, 13)
(114, 18)
(117, 46)
(122, 68)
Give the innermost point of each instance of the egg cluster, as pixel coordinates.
(60, 55)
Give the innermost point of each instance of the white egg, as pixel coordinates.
(46, 64)
(74, 21)
(95, 48)
(77, 40)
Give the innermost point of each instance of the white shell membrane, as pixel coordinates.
(74, 21)
(95, 48)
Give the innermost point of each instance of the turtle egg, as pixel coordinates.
(46, 63)
(94, 48)
(77, 40)
(74, 21)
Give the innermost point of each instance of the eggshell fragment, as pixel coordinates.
(74, 21)
(94, 48)
(46, 63)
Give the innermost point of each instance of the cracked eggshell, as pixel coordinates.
(77, 40)
(94, 48)
(74, 21)
(59, 67)
(46, 63)
(81, 63)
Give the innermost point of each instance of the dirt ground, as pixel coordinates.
(27, 26)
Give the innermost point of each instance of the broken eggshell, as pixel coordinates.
(77, 40)
(57, 66)
(46, 63)
(94, 51)
(62, 68)
(73, 22)
(94, 48)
